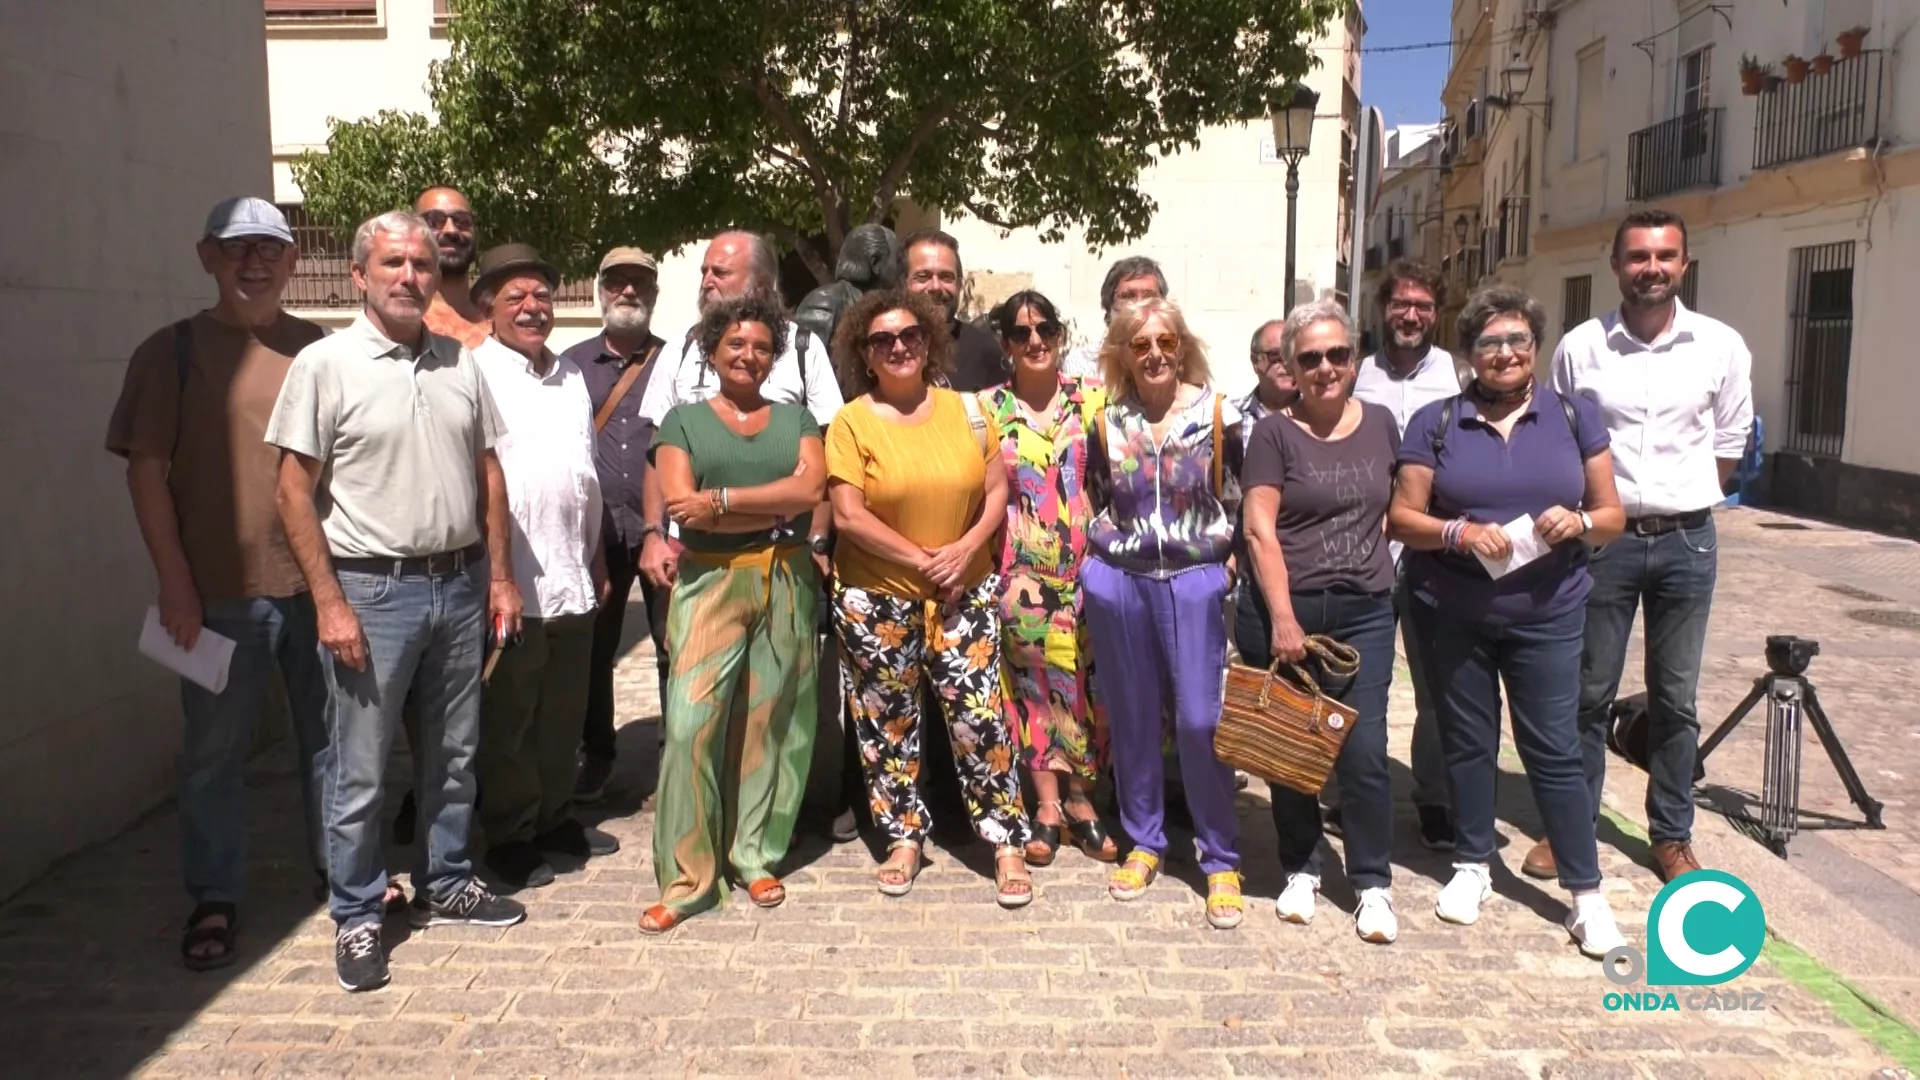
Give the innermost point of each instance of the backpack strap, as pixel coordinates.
(1440, 430)
(1219, 453)
(1573, 422)
(802, 341)
(976, 420)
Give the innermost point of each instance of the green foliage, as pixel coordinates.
(576, 124)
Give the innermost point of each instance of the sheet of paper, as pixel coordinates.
(1527, 546)
(207, 663)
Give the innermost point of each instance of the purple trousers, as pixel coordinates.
(1152, 636)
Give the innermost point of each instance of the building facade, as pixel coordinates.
(1564, 115)
(1220, 232)
(129, 123)
(1406, 222)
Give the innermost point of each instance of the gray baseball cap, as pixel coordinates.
(244, 215)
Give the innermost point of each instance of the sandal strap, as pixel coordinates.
(1217, 894)
(1145, 858)
(898, 844)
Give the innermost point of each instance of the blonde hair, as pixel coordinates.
(1116, 352)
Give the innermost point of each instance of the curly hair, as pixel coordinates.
(1116, 352)
(747, 309)
(849, 338)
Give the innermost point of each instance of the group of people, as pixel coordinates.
(430, 522)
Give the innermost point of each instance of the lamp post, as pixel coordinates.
(1292, 137)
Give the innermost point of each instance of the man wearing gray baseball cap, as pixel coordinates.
(191, 422)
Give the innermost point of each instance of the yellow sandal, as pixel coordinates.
(1135, 874)
(1225, 904)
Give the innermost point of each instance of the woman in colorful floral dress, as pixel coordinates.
(1042, 417)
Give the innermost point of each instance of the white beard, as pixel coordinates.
(629, 319)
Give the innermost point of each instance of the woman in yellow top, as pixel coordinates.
(916, 506)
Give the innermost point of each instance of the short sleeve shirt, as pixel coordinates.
(722, 457)
(212, 428)
(926, 481)
(1333, 500)
(401, 435)
(1491, 480)
(688, 377)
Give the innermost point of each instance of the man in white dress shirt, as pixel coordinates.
(1676, 388)
(1406, 375)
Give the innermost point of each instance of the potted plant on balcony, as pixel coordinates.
(1796, 69)
(1850, 40)
(1753, 74)
(1823, 63)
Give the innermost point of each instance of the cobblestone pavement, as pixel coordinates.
(842, 981)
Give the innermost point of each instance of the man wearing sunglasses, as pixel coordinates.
(1408, 373)
(933, 271)
(452, 313)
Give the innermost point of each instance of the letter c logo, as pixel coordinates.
(1704, 928)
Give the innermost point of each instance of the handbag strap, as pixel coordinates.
(1342, 661)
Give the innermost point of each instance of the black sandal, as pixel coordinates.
(1091, 837)
(1043, 840)
(223, 936)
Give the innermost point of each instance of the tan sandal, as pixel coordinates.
(1013, 888)
(894, 878)
(1225, 904)
(1134, 875)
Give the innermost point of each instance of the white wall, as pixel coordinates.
(124, 127)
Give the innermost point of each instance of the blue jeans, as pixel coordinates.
(1430, 784)
(1540, 664)
(425, 635)
(1673, 574)
(1366, 787)
(266, 632)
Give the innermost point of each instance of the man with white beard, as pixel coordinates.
(618, 363)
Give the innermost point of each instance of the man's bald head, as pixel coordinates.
(737, 264)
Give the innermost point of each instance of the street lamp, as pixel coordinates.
(1460, 231)
(1292, 137)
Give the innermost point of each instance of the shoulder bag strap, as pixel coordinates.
(801, 341)
(1219, 452)
(976, 419)
(619, 392)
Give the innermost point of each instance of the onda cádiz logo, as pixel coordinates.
(1704, 929)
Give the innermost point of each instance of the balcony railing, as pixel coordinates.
(1824, 113)
(1675, 155)
(1513, 228)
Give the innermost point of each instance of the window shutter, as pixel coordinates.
(322, 8)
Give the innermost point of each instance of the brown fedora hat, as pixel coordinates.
(501, 262)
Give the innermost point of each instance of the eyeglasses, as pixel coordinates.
(616, 282)
(1490, 344)
(882, 341)
(266, 249)
(462, 219)
(1339, 356)
(1401, 307)
(1020, 335)
(1271, 356)
(1167, 343)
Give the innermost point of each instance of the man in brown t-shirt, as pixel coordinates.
(191, 422)
(451, 311)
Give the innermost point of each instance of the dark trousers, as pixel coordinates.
(1673, 574)
(1366, 790)
(1540, 665)
(623, 570)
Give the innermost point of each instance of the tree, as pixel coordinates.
(573, 124)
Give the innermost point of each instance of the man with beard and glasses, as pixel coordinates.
(618, 364)
(1129, 281)
(452, 313)
(933, 271)
(1409, 373)
(1676, 389)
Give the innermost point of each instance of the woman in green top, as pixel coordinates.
(740, 478)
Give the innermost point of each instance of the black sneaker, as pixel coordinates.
(471, 905)
(591, 785)
(518, 865)
(358, 958)
(579, 841)
(1436, 828)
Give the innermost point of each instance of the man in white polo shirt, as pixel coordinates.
(1676, 389)
(1406, 375)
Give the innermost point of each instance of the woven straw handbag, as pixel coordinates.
(1286, 730)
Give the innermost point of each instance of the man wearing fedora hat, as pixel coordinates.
(618, 364)
(536, 694)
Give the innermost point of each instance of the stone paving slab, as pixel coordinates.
(843, 982)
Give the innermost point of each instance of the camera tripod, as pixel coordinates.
(1791, 704)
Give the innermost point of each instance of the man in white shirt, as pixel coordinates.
(1129, 281)
(535, 698)
(735, 264)
(1406, 375)
(1676, 388)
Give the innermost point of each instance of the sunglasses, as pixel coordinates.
(1167, 343)
(1490, 344)
(1020, 335)
(883, 341)
(462, 219)
(1339, 356)
(267, 250)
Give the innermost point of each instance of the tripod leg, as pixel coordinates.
(1836, 753)
(1726, 727)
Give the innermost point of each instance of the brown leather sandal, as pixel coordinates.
(659, 919)
(767, 892)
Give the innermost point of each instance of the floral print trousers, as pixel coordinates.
(1049, 666)
(887, 643)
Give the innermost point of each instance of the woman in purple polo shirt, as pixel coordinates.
(1502, 471)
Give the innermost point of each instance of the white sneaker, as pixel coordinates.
(1374, 921)
(1460, 900)
(1295, 903)
(1592, 926)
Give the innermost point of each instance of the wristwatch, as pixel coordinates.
(821, 545)
(1586, 523)
(647, 529)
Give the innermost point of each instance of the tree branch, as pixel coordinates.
(897, 169)
(810, 155)
(808, 254)
(846, 68)
(987, 214)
